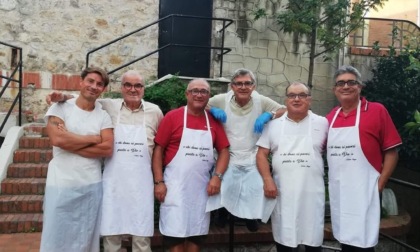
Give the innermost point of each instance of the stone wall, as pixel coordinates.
(274, 56)
(56, 35)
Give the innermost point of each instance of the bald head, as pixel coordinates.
(197, 94)
(199, 81)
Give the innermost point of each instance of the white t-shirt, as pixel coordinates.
(270, 136)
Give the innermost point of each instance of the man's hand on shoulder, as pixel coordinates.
(56, 96)
(261, 121)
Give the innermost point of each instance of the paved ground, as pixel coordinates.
(21, 242)
(29, 242)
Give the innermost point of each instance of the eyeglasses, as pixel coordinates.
(293, 96)
(137, 86)
(349, 83)
(243, 83)
(203, 92)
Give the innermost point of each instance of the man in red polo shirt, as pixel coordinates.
(362, 155)
(184, 147)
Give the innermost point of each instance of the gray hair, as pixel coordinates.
(295, 83)
(349, 69)
(132, 73)
(243, 72)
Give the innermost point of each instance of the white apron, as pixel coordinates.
(298, 216)
(73, 194)
(353, 188)
(242, 192)
(182, 214)
(128, 201)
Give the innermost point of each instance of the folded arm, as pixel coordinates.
(66, 140)
(102, 149)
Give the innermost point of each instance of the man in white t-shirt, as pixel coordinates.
(296, 141)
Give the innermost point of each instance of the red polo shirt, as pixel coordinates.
(376, 129)
(170, 132)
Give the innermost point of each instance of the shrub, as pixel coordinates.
(168, 94)
(396, 84)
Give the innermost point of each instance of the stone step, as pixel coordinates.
(19, 186)
(218, 236)
(35, 130)
(32, 156)
(27, 142)
(20, 223)
(21, 203)
(27, 170)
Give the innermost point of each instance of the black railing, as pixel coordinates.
(401, 243)
(17, 68)
(223, 50)
(385, 33)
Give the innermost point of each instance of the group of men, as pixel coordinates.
(172, 158)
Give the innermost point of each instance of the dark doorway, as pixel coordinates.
(187, 61)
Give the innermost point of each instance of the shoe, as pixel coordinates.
(252, 225)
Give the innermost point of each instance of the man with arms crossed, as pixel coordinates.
(81, 133)
(184, 147)
(296, 141)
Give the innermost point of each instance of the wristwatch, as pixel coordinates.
(219, 175)
(157, 182)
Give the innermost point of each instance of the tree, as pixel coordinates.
(328, 21)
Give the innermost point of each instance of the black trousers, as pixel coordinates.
(349, 248)
(282, 248)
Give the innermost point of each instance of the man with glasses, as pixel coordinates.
(296, 141)
(128, 200)
(182, 161)
(361, 154)
(244, 113)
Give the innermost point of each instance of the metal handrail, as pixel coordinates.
(404, 183)
(399, 242)
(18, 97)
(226, 23)
(405, 30)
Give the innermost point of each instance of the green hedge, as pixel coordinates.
(396, 84)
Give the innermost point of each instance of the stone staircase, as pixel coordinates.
(22, 191)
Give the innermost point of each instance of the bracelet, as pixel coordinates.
(157, 182)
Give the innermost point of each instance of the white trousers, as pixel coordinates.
(113, 243)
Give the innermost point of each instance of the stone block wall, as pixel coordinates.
(56, 35)
(276, 58)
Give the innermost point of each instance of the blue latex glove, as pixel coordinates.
(261, 121)
(219, 114)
